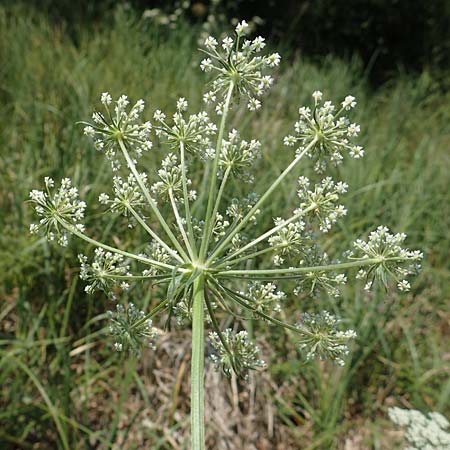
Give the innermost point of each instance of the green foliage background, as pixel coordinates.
(61, 386)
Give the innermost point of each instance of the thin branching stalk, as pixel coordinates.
(260, 202)
(153, 234)
(209, 219)
(269, 233)
(187, 207)
(267, 273)
(96, 243)
(180, 225)
(151, 202)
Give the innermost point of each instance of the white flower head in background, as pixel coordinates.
(422, 431)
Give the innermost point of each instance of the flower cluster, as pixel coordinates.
(237, 156)
(264, 297)
(322, 200)
(158, 253)
(120, 124)
(194, 132)
(206, 253)
(319, 337)
(315, 280)
(57, 209)
(127, 195)
(423, 432)
(220, 226)
(235, 352)
(329, 131)
(236, 63)
(170, 178)
(290, 240)
(391, 260)
(131, 329)
(239, 208)
(106, 272)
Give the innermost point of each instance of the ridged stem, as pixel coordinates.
(197, 363)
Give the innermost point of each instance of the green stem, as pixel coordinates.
(151, 202)
(301, 270)
(239, 298)
(180, 223)
(270, 232)
(263, 198)
(247, 257)
(187, 208)
(154, 311)
(217, 203)
(198, 350)
(153, 234)
(209, 220)
(142, 259)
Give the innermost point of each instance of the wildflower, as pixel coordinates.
(290, 240)
(57, 209)
(423, 431)
(391, 260)
(242, 28)
(211, 263)
(315, 280)
(319, 337)
(239, 68)
(239, 208)
(193, 132)
(122, 125)
(237, 156)
(169, 176)
(220, 226)
(234, 352)
(322, 200)
(127, 195)
(107, 271)
(265, 298)
(131, 329)
(326, 131)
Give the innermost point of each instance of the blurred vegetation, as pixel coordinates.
(387, 35)
(62, 387)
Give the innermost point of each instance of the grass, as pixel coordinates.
(62, 386)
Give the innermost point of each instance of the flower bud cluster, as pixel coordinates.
(316, 280)
(238, 61)
(131, 329)
(239, 155)
(52, 207)
(423, 432)
(194, 132)
(329, 130)
(126, 194)
(104, 273)
(394, 261)
(170, 178)
(265, 297)
(290, 240)
(220, 226)
(240, 207)
(156, 252)
(323, 201)
(119, 124)
(235, 352)
(320, 337)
